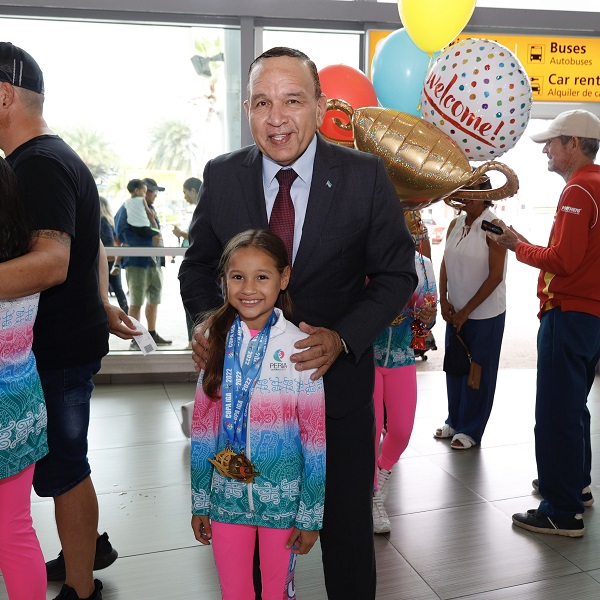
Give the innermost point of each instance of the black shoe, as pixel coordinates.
(68, 593)
(534, 521)
(586, 494)
(105, 556)
(159, 340)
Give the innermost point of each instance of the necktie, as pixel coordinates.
(282, 215)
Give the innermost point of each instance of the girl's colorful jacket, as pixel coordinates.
(285, 441)
(392, 347)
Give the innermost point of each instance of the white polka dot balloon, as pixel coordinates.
(478, 94)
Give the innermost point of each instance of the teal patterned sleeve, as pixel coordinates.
(206, 424)
(311, 417)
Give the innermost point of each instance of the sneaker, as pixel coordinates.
(381, 522)
(159, 340)
(586, 493)
(586, 496)
(383, 476)
(105, 556)
(134, 346)
(68, 593)
(535, 521)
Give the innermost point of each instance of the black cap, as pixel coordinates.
(152, 185)
(18, 68)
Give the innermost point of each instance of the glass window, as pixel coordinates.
(532, 208)
(141, 101)
(138, 100)
(324, 48)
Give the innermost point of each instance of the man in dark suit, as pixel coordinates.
(353, 272)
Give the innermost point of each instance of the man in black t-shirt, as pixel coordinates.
(71, 329)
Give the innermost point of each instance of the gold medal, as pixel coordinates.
(234, 465)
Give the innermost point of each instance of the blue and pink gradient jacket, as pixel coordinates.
(23, 418)
(285, 441)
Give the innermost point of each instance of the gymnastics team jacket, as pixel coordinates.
(285, 441)
(392, 346)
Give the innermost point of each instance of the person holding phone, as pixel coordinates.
(568, 341)
(472, 292)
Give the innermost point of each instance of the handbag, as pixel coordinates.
(458, 361)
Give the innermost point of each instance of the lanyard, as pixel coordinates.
(239, 379)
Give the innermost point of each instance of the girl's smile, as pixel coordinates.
(253, 285)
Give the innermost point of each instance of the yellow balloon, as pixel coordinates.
(433, 24)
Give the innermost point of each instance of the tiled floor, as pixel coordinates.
(451, 530)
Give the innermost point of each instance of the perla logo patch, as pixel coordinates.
(279, 365)
(570, 209)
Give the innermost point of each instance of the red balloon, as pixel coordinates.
(349, 84)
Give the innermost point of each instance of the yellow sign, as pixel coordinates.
(561, 69)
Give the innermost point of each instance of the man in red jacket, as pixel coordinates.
(569, 334)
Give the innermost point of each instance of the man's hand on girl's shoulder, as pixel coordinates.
(319, 350)
(200, 346)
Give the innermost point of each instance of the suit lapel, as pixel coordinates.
(320, 199)
(250, 178)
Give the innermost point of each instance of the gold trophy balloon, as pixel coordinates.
(424, 164)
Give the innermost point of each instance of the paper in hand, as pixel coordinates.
(145, 341)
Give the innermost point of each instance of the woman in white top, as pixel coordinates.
(472, 292)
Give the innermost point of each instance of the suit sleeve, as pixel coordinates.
(311, 418)
(198, 274)
(206, 423)
(390, 268)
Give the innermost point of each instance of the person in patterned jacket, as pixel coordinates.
(23, 417)
(258, 429)
(395, 393)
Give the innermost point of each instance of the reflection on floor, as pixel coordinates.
(450, 511)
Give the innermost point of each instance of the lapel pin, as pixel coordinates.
(328, 184)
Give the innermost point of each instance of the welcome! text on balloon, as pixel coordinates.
(470, 123)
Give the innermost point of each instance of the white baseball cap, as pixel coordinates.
(575, 123)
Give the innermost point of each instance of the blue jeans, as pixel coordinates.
(469, 410)
(67, 392)
(568, 351)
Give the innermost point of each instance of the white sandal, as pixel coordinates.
(444, 432)
(465, 440)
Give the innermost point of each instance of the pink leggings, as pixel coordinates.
(233, 547)
(21, 558)
(397, 389)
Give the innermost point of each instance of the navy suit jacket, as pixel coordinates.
(354, 269)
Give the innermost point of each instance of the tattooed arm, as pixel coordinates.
(43, 267)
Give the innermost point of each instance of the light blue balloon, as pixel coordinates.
(398, 72)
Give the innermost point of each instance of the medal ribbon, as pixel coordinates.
(239, 379)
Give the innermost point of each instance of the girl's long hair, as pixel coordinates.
(16, 230)
(220, 320)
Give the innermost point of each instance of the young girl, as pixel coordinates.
(258, 430)
(396, 383)
(22, 412)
